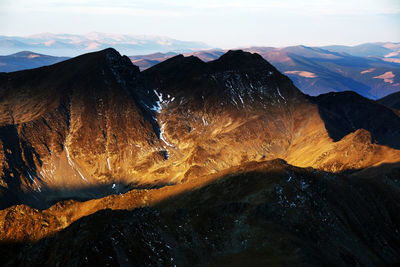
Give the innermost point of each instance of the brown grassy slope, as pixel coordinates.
(100, 129)
(261, 212)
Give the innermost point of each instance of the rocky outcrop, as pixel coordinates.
(177, 165)
(94, 125)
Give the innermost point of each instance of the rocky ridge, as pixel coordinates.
(94, 125)
(180, 167)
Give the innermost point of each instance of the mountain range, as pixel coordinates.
(76, 44)
(193, 163)
(315, 70)
(389, 51)
(372, 70)
(26, 60)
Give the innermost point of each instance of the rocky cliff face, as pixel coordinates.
(67, 127)
(94, 125)
(192, 147)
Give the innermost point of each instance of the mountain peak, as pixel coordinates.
(181, 59)
(231, 60)
(105, 53)
(110, 57)
(239, 59)
(110, 50)
(178, 66)
(25, 54)
(240, 55)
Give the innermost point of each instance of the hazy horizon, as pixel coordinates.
(220, 24)
(199, 41)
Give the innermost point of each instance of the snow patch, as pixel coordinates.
(108, 163)
(205, 123)
(158, 107)
(241, 99)
(34, 181)
(71, 163)
(33, 56)
(393, 60)
(391, 45)
(392, 54)
(279, 92)
(302, 73)
(49, 43)
(387, 77)
(162, 135)
(234, 101)
(161, 101)
(367, 71)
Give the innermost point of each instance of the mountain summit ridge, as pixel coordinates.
(95, 125)
(204, 161)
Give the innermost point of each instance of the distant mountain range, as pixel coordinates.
(371, 69)
(372, 73)
(26, 60)
(74, 44)
(387, 50)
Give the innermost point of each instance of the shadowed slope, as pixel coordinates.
(259, 213)
(392, 100)
(343, 113)
(96, 121)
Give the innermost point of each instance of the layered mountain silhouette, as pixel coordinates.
(371, 70)
(211, 148)
(76, 44)
(26, 60)
(316, 70)
(386, 50)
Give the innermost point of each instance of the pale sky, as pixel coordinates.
(220, 23)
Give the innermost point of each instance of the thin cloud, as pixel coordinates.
(180, 8)
(89, 8)
(114, 11)
(313, 7)
(223, 22)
